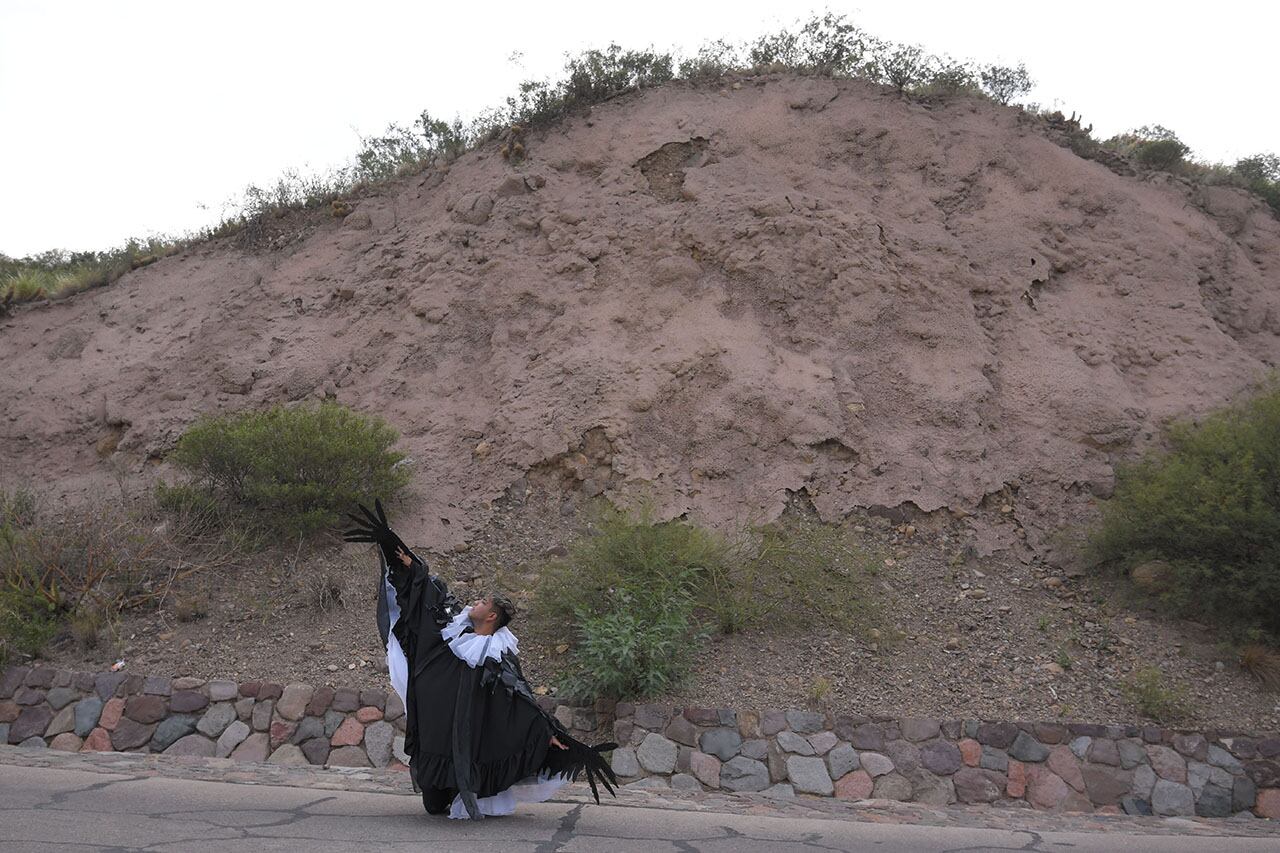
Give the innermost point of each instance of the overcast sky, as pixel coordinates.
(133, 118)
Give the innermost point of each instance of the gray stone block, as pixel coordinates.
(215, 720)
(932, 790)
(223, 691)
(1172, 798)
(1132, 753)
(823, 742)
(685, 782)
(60, 697)
(377, 742)
(288, 753)
(744, 774)
(625, 763)
(794, 743)
(1219, 757)
(905, 755)
(1136, 806)
(892, 786)
(87, 712)
(809, 775)
(657, 754)
(941, 757)
(875, 764)
(919, 728)
(994, 759)
(1144, 781)
(723, 743)
(170, 730)
(1027, 748)
(1214, 801)
(192, 745)
(806, 722)
(1244, 794)
(231, 737)
(841, 760)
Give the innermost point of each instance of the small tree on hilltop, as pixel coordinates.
(1004, 82)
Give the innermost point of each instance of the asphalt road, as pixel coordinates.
(62, 810)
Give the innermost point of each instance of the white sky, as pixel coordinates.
(122, 118)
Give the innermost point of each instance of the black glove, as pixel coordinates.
(374, 528)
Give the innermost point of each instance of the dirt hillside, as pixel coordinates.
(706, 298)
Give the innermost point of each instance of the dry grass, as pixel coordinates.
(1263, 663)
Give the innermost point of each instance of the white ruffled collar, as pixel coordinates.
(471, 648)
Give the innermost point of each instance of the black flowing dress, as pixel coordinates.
(469, 730)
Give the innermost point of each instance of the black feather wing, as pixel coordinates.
(374, 528)
(577, 758)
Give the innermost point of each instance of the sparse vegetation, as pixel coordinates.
(1147, 690)
(189, 608)
(820, 690)
(1004, 83)
(326, 588)
(289, 470)
(655, 587)
(1263, 663)
(1153, 146)
(1209, 508)
(71, 574)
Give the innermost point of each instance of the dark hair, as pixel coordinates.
(506, 609)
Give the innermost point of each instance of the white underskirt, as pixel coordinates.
(532, 789)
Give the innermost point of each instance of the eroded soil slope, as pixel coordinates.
(706, 298)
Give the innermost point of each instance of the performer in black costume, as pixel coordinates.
(476, 739)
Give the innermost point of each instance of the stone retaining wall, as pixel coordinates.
(247, 721)
(1071, 767)
(1056, 766)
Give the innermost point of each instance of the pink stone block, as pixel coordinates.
(368, 714)
(1268, 803)
(1045, 789)
(111, 713)
(854, 786)
(350, 733)
(1063, 762)
(706, 768)
(1017, 787)
(970, 751)
(99, 740)
(66, 742)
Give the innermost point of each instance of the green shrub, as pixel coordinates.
(28, 621)
(1153, 146)
(1162, 154)
(661, 586)
(947, 76)
(639, 646)
(902, 66)
(792, 573)
(1210, 508)
(1004, 83)
(1147, 691)
(293, 470)
(1261, 174)
(57, 274)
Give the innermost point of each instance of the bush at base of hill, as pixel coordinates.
(291, 470)
(1209, 508)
